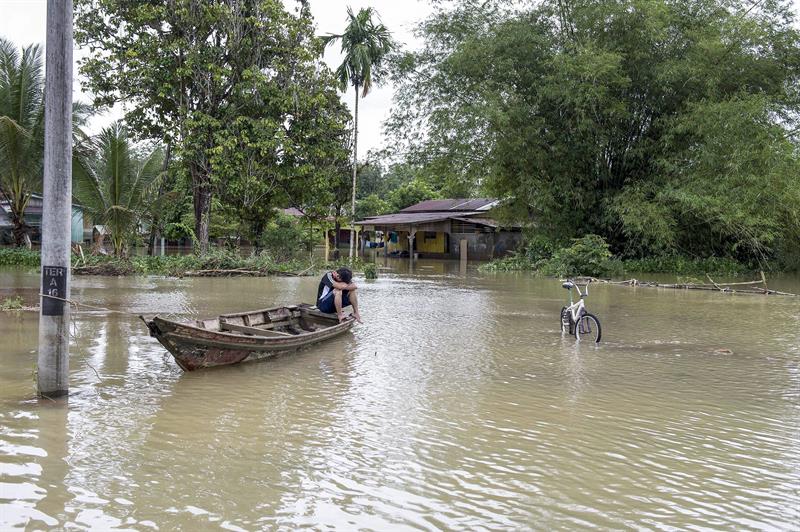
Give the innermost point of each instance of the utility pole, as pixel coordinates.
(53, 363)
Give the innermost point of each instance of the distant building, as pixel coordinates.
(33, 217)
(436, 228)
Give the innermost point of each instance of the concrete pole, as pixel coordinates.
(53, 362)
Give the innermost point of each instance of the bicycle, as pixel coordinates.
(576, 320)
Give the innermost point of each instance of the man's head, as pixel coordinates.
(344, 275)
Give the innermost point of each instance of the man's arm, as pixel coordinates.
(344, 286)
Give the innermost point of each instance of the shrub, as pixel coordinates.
(282, 238)
(370, 271)
(588, 255)
(19, 257)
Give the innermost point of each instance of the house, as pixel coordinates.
(441, 229)
(33, 217)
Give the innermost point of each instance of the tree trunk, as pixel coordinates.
(201, 194)
(355, 171)
(336, 228)
(20, 231)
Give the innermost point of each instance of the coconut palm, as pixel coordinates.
(22, 130)
(365, 43)
(112, 184)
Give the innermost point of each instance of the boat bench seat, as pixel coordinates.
(254, 331)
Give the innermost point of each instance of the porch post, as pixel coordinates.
(412, 232)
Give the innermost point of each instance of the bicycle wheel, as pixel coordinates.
(566, 321)
(588, 328)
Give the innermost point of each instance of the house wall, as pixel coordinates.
(430, 245)
(485, 246)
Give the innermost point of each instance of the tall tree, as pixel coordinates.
(662, 125)
(365, 44)
(112, 182)
(22, 130)
(192, 73)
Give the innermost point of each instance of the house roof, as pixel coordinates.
(407, 218)
(453, 205)
(293, 211)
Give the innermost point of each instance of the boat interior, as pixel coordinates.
(272, 322)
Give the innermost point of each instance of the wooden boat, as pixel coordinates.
(234, 338)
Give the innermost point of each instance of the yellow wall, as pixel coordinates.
(430, 245)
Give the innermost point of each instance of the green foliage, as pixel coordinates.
(19, 257)
(667, 127)
(177, 265)
(411, 193)
(365, 43)
(236, 88)
(372, 205)
(681, 265)
(370, 271)
(283, 238)
(588, 255)
(22, 130)
(12, 303)
(113, 184)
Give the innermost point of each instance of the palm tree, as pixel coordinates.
(22, 130)
(365, 43)
(112, 184)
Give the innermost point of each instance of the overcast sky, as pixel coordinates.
(23, 22)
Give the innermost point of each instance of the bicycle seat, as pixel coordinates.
(568, 285)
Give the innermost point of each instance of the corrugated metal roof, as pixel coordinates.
(480, 221)
(450, 205)
(405, 218)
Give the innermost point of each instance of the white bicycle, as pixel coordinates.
(575, 320)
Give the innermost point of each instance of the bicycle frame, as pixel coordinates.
(575, 308)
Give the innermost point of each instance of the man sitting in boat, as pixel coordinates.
(337, 291)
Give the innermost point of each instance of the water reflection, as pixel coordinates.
(457, 405)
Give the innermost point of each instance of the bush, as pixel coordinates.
(19, 257)
(370, 271)
(282, 238)
(588, 255)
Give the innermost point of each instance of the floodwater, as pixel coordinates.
(456, 405)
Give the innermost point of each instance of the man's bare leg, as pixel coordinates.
(354, 302)
(337, 302)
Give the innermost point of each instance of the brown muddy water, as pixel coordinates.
(456, 405)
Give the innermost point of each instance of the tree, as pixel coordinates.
(365, 44)
(22, 130)
(112, 182)
(214, 79)
(661, 125)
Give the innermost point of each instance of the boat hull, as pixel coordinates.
(202, 345)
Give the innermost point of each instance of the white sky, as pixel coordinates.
(23, 22)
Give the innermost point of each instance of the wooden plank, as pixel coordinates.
(255, 331)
